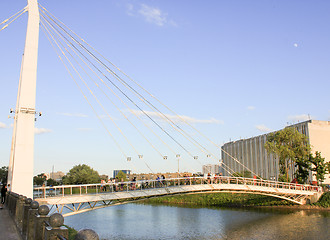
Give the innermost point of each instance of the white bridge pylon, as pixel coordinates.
(20, 171)
(74, 199)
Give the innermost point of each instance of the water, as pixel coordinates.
(137, 221)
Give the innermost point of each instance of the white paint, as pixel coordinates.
(20, 174)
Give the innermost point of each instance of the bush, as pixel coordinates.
(324, 200)
(72, 232)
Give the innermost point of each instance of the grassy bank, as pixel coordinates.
(220, 200)
(72, 232)
(324, 201)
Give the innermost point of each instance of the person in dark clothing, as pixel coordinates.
(3, 193)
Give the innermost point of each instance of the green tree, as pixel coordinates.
(328, 167)
(39, 179)
(319, 167)
(302, 170)
(81, 174)
(121, 176)
(104, 177)
(3, 174)
(292, 149)
(52, 182)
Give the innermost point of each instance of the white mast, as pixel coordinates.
(20, 172)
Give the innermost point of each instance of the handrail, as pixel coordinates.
(50, 191)
(42, 225)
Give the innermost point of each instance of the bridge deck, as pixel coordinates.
(98, 195)
(7, 226)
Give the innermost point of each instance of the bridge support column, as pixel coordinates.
(31, 220)
(20, 212)
(315, 197)
(20, 171)
(40, 225)
(26, 208)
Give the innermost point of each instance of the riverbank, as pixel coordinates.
(324, 201)
(297, 207)
(239, 200)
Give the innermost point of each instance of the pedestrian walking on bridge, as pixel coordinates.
(3, 193)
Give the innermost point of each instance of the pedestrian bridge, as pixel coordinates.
(73, 199)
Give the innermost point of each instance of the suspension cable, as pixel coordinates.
(125, 93)
(95, 96)
(8, 19)
(102, 90)
(132, 89)
(120, 148)
(182, 119)
(175, 126)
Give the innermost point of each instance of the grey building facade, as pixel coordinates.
(252, 153)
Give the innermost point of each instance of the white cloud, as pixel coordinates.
(299, 118)
(153, 15)
(251, 108)
(84, 129)
(36, 130)
(73, 114)
(263, 128)
(295, 44)
(130, 9)
(150, 14)
(41, 130)
(177, 118)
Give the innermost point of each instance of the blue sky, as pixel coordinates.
(234, 69)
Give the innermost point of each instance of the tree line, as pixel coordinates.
(79, 174)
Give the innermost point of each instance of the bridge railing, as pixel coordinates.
(34, 222)
(99, 188)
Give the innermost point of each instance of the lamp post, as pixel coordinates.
(178, 157)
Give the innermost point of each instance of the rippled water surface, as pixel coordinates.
(136, 221)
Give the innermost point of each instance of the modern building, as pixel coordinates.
(57, 176)
(211, 168)
(252, 153)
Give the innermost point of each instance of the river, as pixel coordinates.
(138, 221)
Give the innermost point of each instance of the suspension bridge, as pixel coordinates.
(74, 199)
(105, 86)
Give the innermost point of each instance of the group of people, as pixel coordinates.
(116, 185)
(214, 179)
(103, 184)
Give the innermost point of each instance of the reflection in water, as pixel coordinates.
(134, 221)
(297, 225)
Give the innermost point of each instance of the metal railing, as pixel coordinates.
(99, 188)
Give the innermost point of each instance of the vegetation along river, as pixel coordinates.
(139, 221)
